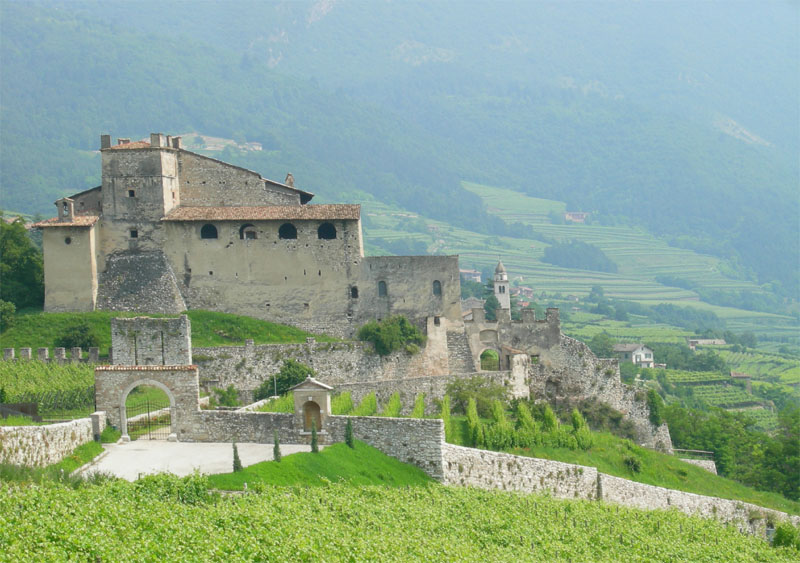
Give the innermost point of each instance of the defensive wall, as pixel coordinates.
(38, 446)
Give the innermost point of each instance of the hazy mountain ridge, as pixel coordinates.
(583, 103)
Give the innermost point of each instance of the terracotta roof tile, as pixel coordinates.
(271, 212)
(77, 221)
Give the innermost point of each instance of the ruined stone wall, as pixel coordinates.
(495, 470)
(145, 341)
(707, 464)
(37, 446)
(207, 182)
(410, 287)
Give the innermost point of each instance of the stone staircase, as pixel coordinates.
(459, 353)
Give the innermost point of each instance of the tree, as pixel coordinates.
(21, 269)
(391, 334)
(602, 345)
(490, 306)
(314, 445)
(291, 373)
(227, 397)
(78, 334)
(445, 416)
(483, 390)
(349, 439)
(7, 310)
(276, 446)
(237, 463)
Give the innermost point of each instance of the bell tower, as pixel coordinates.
(501, 286)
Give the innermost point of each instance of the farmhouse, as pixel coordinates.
(635, 353)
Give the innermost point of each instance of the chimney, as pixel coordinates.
(169, 141)
(289, 181)
(156, 140)
(176, 143)
(105, 142)
(123, 141)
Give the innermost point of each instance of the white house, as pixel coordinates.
(635, 353)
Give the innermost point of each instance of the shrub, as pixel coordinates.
(281, 404)
(549, 420)
(227, 397)
(500, 434)
(393, 406)
(656, 406)
(445, 416)
(276, 447)
(419, 407)
(481, 389)
(633, 463)
(291, 373)
(391, 334)
(786, 535)
(368, 406)
(314, 444)
(473, 422)
(78, 334)
(342, 404)
(237, 463)
(348, 434)
(7, 310)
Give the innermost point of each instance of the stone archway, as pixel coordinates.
(123, 415)
(489, 360)
(311, 411)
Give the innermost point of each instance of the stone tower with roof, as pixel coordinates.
(501, 286)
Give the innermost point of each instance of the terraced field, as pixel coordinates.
(764, 419)
(767, 367)
(678, 377)
(723, 395)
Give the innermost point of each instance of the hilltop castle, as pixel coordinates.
(170, 230)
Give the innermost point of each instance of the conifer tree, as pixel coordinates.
(276, 447)
(314, 446)
(237, 463)
(348, 434)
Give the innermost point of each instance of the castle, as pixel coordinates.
(170, 230)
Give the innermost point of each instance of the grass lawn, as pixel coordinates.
(608, 454)
(363, 465)
(19, 421)
(41, 330)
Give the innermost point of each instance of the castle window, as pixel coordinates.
(437, 287)
(326, 231)
(208, 231)
(247, 232)
(131, 193)
(437, 321)
(354, 292)
(382, 289)
(134, 233)
(287, 231)
(502, 289)
(68, 240)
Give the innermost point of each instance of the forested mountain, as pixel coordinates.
(680, 117)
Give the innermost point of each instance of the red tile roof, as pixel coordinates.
(77, 221)
(271, 212)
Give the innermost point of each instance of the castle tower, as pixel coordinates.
(501, 286)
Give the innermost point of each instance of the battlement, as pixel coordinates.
(157, 141)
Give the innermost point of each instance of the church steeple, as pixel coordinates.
(501, 286)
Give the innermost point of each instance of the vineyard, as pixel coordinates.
(723, 395)
(767, 367)
(164, 518)
(763, 419)
(679, 377)
(55, 387)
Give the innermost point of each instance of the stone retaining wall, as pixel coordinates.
(748, 517)
(707, 464)
(495, 470)
(37, 446)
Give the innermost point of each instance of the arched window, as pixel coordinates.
(382, 289)
(247, 231)
(326, 231)
(287, 231)
(437, 287)
(354, 292)
(208, 231)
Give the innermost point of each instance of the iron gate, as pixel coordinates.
(149, 419)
